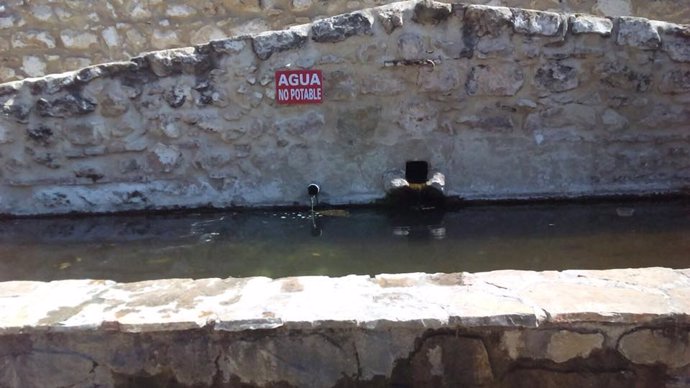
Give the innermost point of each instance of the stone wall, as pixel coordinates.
(508, 103)
(44, 36)
(616, 328)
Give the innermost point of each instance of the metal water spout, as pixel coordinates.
(313, 191)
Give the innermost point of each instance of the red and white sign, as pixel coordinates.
(299, 86)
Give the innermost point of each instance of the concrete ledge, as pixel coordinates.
(502, 328)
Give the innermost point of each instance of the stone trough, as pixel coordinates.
(613, 328)
(509, 103)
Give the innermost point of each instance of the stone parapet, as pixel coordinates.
(506, 102)
(44, 37)
(614, 328)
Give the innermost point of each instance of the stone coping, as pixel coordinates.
(504, 298)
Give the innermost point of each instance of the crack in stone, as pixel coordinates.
(496, 285)
(685, 275)
(218, 376)
(669, 301)
(623, 284)
(540, 314)
(546, 368)
(359, 364)
(64, 353)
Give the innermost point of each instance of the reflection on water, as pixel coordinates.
(340, 242)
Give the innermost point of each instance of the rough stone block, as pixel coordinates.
(675, 82)
(563, 123)
(675, 40)
(6, 74)
(565, 345)
(622, 76)
(451, 361)
(33, 39)
(417, 117)
(411, 46)
(485, 20)
(136, 40)
(165, 157)
(391, 19)
(206, 34)
(41, 135)
(441, 78)
(301, 5)
(179, 11)
(649, 347)
(67, 106)
(90, 73)
(111, 37)
(175, 97)
(261, 361)
(536, 22)
(638, 32)
(167, 62)
(495, 80)
(84, 134)
(53, 84)
(659, 115)
(382, 86)
(431, 12)
(488, 120)
(556, 77)
(113, 105)
(556, 345)
(244, 5)
(494, 47)
(164, 39)
(338, 28)
(613, 121)
(267, 43)
(33, 66)
(19, 112)
(49, 368)
(302, 124)
(586, 24)
(340, 86)
(6, 135)
(78, 40)
(7, 22)
(228, 46)
(357, 126)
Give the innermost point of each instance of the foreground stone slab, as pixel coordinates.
(616, 328)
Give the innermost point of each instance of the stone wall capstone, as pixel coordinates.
(508, 103)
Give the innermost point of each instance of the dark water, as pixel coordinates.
(536, 237)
